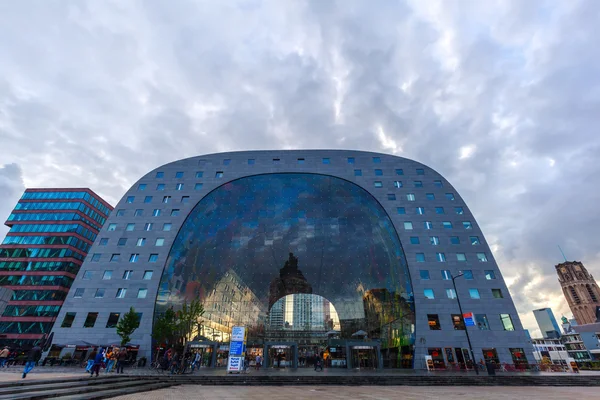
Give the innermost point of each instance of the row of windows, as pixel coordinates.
(116, 257)
(36, 280)
(412, 196)
(53, 240)
(39, 295)
(66, 195)
(408, 225)
(53, 217)
(140, 242)
(90, 320)
(473, 294)
(435, 240)
(421, 210)
(31, 311)
(26, 327)
(108, 274)
(165, 200)
(480, 320)
(119, 294)
(81, 207)
(441, 257)
(65, 266)
(466, 274)
(40, 253)
(131, 226)
(54, 228)
(140, 212)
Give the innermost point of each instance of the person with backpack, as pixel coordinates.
(98, 361)
(33, 357)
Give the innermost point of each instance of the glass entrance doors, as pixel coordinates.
(281, 355)
(364, 357)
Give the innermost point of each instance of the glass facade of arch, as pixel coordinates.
(251, 243)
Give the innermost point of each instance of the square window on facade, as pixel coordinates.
(68, 320)
(179, 174)
(468, 274)
(429, 196)
(420, 257)
(142, 293)
(461, 257)
(414, 240)
(103, 242)
(482, 257)
(378, 184)
(115, 258)
(185, 199)
(434, 322)
(434, 240)
(439, 210)
(111, 227)
(179, 186)
(489, 275)
(418, 184)
(142, 187)
(219, 174)
(428, 225)
(276, 161)
(99, 293)
(447, 225)
(400, 210)
(120, 213)
(420, 210)
(127, 274)
(174, 212)
(148, 226)
(446, 275)
(134, 258)
(140, 242)
(420, 171)
(147, 275)
(300, 161)
(156, 212)
(198, 186)
(107, 275)
(467, 225)
(90, 320)
(226, 161)
(474, 240)
(399, 172)
(350, 160)
(376, 160)
(160, 175)
(122, 242)
(497, 293)
(507, 323)
(441, 257)
(96, 257)
(454, 240)
(358, 172)
(167, 227)
(398, 184)
(130, 227)
(451, 293)
(459, 210)
(113, 319)
(458, 322)
(160, 242)
(166, 199)
(87, 275)
(138, 213)
(449, 196)
(160, 186)
(148, 199)
(79, 293)
(428, 294)
(199, 174)
(408, 226)
(153, 258)
(474, 293)
(326, 161)
(378, 172)
(130, 199)
(437, 184)
(482, 322)
(391, 196)
(410, 197)
(424, 274)
(251, 161)
(121, 292)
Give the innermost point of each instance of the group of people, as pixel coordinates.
(107, 358)
(178, 362)
(7, 357)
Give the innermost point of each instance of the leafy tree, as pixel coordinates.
(127, 325)
(165, 327)
(187, 319)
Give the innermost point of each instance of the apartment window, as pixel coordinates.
(138, 213)
(115, 258)
(391, 196)
(376, 160)
(160, 175)
(439, 210)
(434, 322)
(482, 322)
(103, 242)
(434, 240)
(122, 242)
(130, 227)
(87, 275)
(134, 258)
(156, 212)
(467, 225)
(147, 275)
(458, 322)
(459, 210)
(489, 275)
(420, 257)
(199, 174)
(424, 273)
(90, 320)
(420, 171)
(160, 186)
(378, 184)
(99, 293)
(251, 161)
(441, 257)
(358, 172)
(408, 226)
(275, 161)
(446, 275)
(450, 196)
(447, 225)
(127, 274)
(350, 160)
(507, 322)
(219, 174)
(120, 213)
(414, 240)
(461, 257)
(111, 227)
(482, 257)
(113, 319)
(420, 210)
(148, 199)
(148, 226)
(429, 196)
(497, 293)
(175, 212)
(226, 161)
(454, 240)
(401, 210)
(198, 186)
(398, 184)
(153, 258)
(428, 225)
(121, 292)
(96, 257)
(185, 199)
(130, 199)
(140, 242)
(300, 161)
(451, 294)
(159, 242)
(179, 186)
(378, 172)
(428, 293)
(68, 320)
(474, 240)
(166, 199)
(410, 197)
(399, 172)
(474, 293)
(142, 186)
(418, 184)
(326, 161)
(468, 274)
(437, 184)
(107, 275)
(167, 227)
(142, 293)
(79, 293)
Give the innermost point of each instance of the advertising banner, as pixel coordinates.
(237, 349)
(238, 334)
(235, 364)
(469, 320)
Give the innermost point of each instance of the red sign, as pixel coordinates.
(435, 353)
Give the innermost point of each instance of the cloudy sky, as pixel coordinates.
(501, 97)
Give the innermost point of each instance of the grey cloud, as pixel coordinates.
(11, 188)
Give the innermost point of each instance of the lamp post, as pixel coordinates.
(462, 316)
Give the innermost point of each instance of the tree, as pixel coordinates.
(187, 319)
(165, 327)
(127, 325)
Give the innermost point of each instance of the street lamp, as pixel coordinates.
(462, 316)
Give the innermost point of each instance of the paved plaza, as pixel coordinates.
(363, 392)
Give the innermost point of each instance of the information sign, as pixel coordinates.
(235, 364)
(469, 320)
(236, 348)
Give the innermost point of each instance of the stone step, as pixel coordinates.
(112, 392)
(34, 381)
(32, 386)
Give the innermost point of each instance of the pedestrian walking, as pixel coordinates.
(121, 360)
(32, 358)
(318, 362)
(196, 362)
(90, 361)
(258, 361)
(174, 363)
(111, 358)
(98, 361)
(4, 353)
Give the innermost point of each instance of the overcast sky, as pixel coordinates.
(501, 97)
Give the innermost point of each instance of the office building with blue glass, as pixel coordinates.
(348, 254)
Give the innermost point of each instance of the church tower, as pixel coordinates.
(580, 290)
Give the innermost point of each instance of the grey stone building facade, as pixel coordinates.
(138, 258)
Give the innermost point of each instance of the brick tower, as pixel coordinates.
(580, 290)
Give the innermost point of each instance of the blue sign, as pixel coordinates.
(236, 348)
(469, 321)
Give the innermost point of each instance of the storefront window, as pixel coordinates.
(458, 322)
(518, 356)
(434, 322)
(490, 355)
